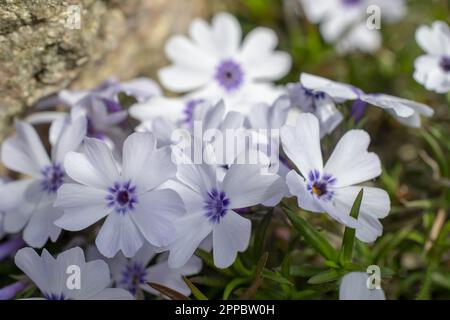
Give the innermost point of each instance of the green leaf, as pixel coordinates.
(348, 241)
(209, 261)
(438, 153)
(326, 276)
(195, 291)
(257, 281)
(304, 271)
(441, 280)
(260, 235)
(232, 286)
(312, 236)
(261, 264)
(239, 267)
(275, 276)
(215, 281)
(172, 294)
(304, 294)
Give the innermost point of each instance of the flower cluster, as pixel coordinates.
(129, 177)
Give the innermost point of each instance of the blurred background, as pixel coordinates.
(39, 56)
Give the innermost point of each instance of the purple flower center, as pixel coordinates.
(350, 3)
(216, 205)
(303, 98)
(133, 276)
(55, 296)
(189, 110)
(122, 196)
(112, 106)
(319, 185)
(53, 177)
(229, 75)
(445, 63)
(313, 94)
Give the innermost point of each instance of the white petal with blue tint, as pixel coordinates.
(80, 169)
(119, 233)
(230, 236)
(305, 136)
(354, 287)
(351, 163)
(191, 230)
(297, 187)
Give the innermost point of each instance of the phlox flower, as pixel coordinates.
(319, 103)
(333, 188)
(29, 202)
(213, 64)
(213, 135)
(137, 211)
(209, 203)
(2, 216)
(405, 111)
(354, 287)
(134, 274)
(163, 115)
(344, 22)
(265, 121)
(433, 68)
(106, 116)
(179, 111)
(51, 275)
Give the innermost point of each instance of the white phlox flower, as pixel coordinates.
(137, 210)
(213, 64)
(51, 276)
(345, 22)
(28, 202)
(405, 111)
(333, 187)
(209, 204)
(134, 274)
(354, 286)
(432, 69)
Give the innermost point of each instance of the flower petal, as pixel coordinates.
(297, 187)
(190, 230)
(227, 34)
(113, 294)
(354, 287)
(80, 169)
(199, 177)
(271, 67)
(375, 205)
(230, 236)
(30, 263)
(137, 150)
(384, 101)
(247, 185)
(182, 79)
(99, 155)
(155, 213)
(259, 42)
(335, 90)
(70, 139)
(15, 193)
(94, 275)
(433, 39)
(119, 232)
(302, 143)
(351, 163)
(171, 108)
(41, 226)
(16, 155)
(183, 53)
